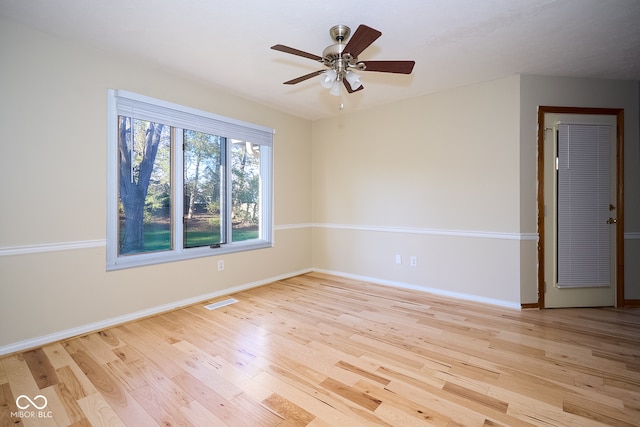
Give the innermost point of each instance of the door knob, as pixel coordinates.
(612, 220)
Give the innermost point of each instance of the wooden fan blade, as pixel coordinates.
(400, 67)
(349, 88)
(287, 49)
(360, 40)
(303, 78)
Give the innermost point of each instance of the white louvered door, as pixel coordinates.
(583, 185)
(580, 199)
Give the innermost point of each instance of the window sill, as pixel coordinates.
(141, 260)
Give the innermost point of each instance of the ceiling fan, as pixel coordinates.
(341, 59)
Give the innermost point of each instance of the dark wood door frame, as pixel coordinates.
(619, 114)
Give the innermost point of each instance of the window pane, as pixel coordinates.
(177, 186)
(245, 190)
(203, 154)
(144, 186)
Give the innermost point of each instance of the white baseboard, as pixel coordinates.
(435, 291)
(97, 326)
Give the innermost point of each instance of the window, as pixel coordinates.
(183, 183)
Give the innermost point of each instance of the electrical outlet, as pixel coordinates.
(398, 259)
(220, 264)
(413, 261)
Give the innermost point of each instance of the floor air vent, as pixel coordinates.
(222, 303)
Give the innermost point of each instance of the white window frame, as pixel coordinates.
(126, 103)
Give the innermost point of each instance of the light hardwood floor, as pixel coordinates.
(318, 350)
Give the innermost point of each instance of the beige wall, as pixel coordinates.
(435, 177)
(427, 162)
(53, 192)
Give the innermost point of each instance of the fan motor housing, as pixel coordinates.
(334, 53)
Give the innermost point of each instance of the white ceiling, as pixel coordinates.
(454, 42)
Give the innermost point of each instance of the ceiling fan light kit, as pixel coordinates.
(353, 79)
(341, 58)
(327, 78)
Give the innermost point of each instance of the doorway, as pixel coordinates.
(567, 253)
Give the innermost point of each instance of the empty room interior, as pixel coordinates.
(341, 213)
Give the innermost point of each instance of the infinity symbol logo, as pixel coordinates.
(30, 402)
